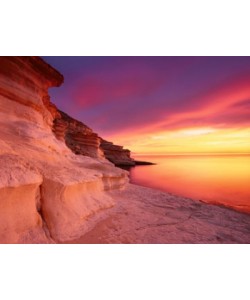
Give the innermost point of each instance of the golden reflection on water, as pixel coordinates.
(214, 179)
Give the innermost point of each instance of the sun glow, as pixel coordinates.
(189, 140)
(197, 131)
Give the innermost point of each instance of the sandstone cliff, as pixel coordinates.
(83, 141)
(116, 154)
(46, 191)
(77, 136)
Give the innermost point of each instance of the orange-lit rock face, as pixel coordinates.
(77, 136)
(82, 140)
(46, 191)
(116, 154)
(26, 80)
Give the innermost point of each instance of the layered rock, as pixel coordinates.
(77, 136)
(46, 191)
(21, 82)
(116, 154)
(83, 141)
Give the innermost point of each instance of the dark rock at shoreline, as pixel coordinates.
(135, 163)
(143, 163)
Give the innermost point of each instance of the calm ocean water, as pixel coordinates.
(214, 179)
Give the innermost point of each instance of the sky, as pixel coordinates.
(159, 105)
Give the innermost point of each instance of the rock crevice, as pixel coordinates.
(40, 211)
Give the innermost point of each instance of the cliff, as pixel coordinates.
(116, 154)
(83, 141)
(47, 192)
(77, 136)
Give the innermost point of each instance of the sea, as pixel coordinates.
(216, 179)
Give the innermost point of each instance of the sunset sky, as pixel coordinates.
(160, 104)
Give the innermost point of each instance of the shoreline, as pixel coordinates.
(144, 215)
(233, 208)
(198, 200)
(133, 164)
(238, 208)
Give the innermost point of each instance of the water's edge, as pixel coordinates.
(239, 208)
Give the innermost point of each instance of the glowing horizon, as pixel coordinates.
(186, 141)
(160, 105)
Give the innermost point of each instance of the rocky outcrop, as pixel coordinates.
(119, 156)
(77, 136)
(83, 141)
(46, 191)
(116, 154)
(21, 82)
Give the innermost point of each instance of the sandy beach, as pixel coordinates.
(144, 215)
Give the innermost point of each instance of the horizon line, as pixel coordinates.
(192, 153)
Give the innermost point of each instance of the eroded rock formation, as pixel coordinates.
(82, 140)
(77, 136)
(116, 154)
(46, 191)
